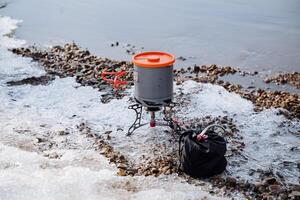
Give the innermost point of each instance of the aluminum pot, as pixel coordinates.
(153, 78)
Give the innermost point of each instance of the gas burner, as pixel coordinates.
(168, 119)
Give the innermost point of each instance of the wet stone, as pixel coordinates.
(295, 195)
(121, 172)
(275, 189)
(231, 181)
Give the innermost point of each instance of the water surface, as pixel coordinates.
(256, 35)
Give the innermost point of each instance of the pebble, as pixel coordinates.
(122, 166)
(63, 132)
(269, 181)
(181, 58)
(121, 172)
(296, 187)
(295, 195)
(275, 189)
(40, 140)
(231, 181)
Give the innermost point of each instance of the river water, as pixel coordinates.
(253, 35)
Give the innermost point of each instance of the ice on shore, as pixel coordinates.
(27, 175)
(7, 28)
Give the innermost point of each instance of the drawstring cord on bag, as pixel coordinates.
(200, 137)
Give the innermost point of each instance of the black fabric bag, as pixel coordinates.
(202, 159)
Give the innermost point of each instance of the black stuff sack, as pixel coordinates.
(202, 159)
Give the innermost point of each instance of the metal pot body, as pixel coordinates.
(153, 86)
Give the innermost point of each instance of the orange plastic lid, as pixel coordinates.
(153, 59)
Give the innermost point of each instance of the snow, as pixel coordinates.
(7, 27)
(213, 100)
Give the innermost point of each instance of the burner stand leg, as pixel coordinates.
(137, 123)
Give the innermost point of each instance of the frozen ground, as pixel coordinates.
(68, 167)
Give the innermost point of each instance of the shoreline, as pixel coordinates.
(70, 60)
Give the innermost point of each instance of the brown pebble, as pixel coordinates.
(231, 181)
(121, 172)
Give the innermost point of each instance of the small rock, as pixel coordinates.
(270, 181)
(181, 58)
(122, 166)
(108, 137)
(121, 157)
(275, 189)
(196, 69)
(266, 196)
(64, 132)
(231, 181)
(165, 169)
(295, 195)
(296, 187)
(40, 140)
(121, 172)
(154, 170)
(53, 155)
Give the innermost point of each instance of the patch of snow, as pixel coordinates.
(213, 100)
(7, 28)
